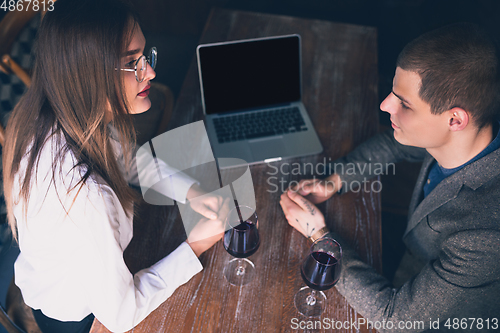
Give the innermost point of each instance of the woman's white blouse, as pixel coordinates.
(71, 262)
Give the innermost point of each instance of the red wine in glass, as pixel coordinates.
(320, 271)
(241, 240)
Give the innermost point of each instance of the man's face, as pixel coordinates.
(411, 117)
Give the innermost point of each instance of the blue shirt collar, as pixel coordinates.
(438, 173)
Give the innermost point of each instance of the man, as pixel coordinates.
(444, 106)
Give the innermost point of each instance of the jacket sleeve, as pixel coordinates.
(374, 157)
(458, 278)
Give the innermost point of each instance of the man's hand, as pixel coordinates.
(209, 206)
(301, 213)
(316, 190)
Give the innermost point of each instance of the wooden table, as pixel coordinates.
(340, 93)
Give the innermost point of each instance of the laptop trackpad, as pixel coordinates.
(264, 149)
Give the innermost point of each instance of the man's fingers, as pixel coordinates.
(286, 204)
(285, 209)
(306, 189)
(328, 185)
(297, 186)
(302, 202)
(309, 187)
(304, 186)
(290, 207)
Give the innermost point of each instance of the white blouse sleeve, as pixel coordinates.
(155, 174)
(118, 299)
(71, 261)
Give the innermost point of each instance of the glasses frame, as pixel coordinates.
(151, 60)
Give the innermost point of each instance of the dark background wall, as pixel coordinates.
(175, 26)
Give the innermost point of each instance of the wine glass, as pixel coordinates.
(320, 271)
(241, 240)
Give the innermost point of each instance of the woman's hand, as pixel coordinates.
(318, 190)
(210, 204)
(301, 213)
(208, 232)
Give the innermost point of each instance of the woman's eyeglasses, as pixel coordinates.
(140, 66)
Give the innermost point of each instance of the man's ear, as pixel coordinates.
(458, 119)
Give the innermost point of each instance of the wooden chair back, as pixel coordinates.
(10, 27)
(7, 323)
(17, 317)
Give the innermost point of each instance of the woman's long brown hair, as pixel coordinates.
(75, 82)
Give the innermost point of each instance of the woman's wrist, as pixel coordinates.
(194, 191)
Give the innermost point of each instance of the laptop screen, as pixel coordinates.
(249, 74)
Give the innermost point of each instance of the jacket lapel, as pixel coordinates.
(445, 191)
(473, 175)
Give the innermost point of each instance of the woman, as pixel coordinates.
(67, 196)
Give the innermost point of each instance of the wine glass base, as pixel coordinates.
(239, 272)
(310, 305)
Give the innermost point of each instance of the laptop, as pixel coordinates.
(251, 94)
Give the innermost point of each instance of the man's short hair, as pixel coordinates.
(458, 66)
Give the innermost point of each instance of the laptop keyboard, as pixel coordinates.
(259, 124)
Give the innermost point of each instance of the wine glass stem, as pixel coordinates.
(240, 270)
(311, 299)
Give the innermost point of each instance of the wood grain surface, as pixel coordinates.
(340, 93)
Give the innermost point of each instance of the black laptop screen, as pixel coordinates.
(250, 74)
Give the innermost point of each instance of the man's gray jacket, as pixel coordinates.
(455, 230)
